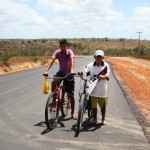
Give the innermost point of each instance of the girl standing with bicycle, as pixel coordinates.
(65, 57)
(99, 69)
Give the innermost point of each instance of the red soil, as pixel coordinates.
(135, 73)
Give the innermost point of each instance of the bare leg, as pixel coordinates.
(103, 111)
(62, 96)
(95, 113)
(94, 109)
(72, 101)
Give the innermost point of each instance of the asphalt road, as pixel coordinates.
(22, 123)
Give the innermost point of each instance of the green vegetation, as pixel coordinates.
(45, 47)
(145, 51)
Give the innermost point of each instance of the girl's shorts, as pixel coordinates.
(101, 101)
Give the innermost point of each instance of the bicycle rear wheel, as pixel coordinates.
(80, 113)
(52, 111)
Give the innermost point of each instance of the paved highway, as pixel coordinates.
(22, 123)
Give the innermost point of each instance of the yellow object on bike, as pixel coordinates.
(46, 87)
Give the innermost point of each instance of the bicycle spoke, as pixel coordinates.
(51, 111)
(80, 113)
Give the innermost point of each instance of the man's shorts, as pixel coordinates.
(69, 83)
(101, 101)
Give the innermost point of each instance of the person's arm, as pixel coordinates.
(72, 64)
(49, 66)
(71, 61)
(105, 76)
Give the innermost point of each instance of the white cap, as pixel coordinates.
(99, 52)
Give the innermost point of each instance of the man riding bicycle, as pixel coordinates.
(65, 57)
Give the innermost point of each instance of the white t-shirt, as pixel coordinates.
(100, 90)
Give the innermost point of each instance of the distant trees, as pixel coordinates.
(128, 52)
(83, 46)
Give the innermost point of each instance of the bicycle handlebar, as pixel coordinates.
(78, 74)
(55, 77)
(59, 78)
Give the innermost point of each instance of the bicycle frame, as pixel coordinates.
(83, 101)
(57, 91)
(59, 85)
(55, 102)
(84, 92)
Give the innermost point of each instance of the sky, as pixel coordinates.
(34, 19)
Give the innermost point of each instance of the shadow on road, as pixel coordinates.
(43, 124)
(87, 126)
(60, 123)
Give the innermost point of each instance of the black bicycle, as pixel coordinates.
(84, 103)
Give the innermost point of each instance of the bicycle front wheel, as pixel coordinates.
(52, 111)
(80, 113)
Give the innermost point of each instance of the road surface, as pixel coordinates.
(22, 123)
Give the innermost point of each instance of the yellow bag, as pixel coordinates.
(46, 87)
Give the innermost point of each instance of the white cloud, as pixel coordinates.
(70, 18)
(80, 17)
(141, 16)
(139, 21)
(20, 1)
(17, 19)
(128, 27)
(74, 9)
